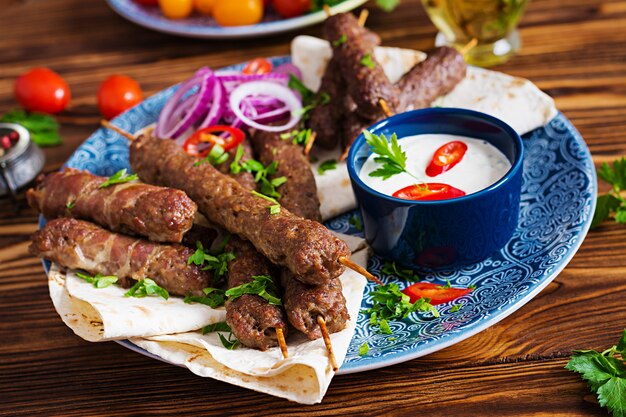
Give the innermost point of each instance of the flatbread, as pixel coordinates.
(514, 100)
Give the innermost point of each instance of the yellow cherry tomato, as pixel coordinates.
(204, 6)
(176, 9)
(238, 12)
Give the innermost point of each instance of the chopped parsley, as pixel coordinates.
(216, 262)
(216, 327)
(355, 221)
(119, 177)
(262, 174)
(146, 287)
(213, 297)
(70, 205)
(261, 285)
(342, 39)
(310, 100)
(98, 280)
(389, 303)
(364, 349)
(217, 155)
(298, 137)
(613, 203)
(456, 308)
(390, 268)
(328, 165)
(275, 208)
(605, 374)
(228, 342)
(367, 61)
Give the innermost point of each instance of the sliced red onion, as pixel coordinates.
(287, 69)
(217, 108)
(189, 111)
(266, 88)
(282, 78)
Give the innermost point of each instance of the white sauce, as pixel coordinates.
(482, 165)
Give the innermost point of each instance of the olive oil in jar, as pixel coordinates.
(491, 22)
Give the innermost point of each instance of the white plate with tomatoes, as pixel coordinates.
(223, 19)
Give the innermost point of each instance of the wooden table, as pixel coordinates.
(575, 53)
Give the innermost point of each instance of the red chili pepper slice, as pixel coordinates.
(446, 157)
(208, 135)
(428, 192)
(258, 66)
(438, 294)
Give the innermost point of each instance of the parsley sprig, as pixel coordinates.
(229, 342)
(213, 297)
(98, 280)
(391, 157)
(261, 285)
(43, 128)
(145, 288)
(119, 177)
(605, 374)
(262, 174)
(613, 201)
(216, 262)
(309, 99)
(328, 165)
(389, 303)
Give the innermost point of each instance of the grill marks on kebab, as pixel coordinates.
(161, 214)
(78, 244)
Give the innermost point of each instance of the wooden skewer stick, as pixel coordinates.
(385, 108)
(468, 46)
(281, 342)
(309, 144)
(329, 346)
(363, 17)
(359, 269)
(116, 129)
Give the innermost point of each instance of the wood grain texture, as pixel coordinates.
(573, 51)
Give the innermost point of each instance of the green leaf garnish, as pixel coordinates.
(389, 303)
(98, 280)
(342, 39)
(213, 297)
(387, 5)
(273, 209)
(390, 268)
(391, 157)
(261, 285)
(605, 374)
(216, 262)
(119, 177)
(70, 205)
(228, 343)
(43, 128)
(613, 201)
(367, 61)
(298, 137)
(216, 327)
(327, 166)
(364, 349)
(456, 308)
(146, 287)
(355, 221)
(217, 155)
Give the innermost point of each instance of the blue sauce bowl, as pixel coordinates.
(441, 233)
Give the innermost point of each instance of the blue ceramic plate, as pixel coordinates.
(558, 200)
(206, 27)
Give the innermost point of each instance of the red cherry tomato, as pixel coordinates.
(291, 8)
(446, 157)
(42, 90)
(258, 66)
(428, 192)
(148, 2)
(207, 135)
(438, 294)
(117, 94)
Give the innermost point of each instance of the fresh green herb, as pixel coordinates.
(43, 128)
(613, 201)
(387, 5)
(70, 205)
(146, 287)
(216, 327)
(310, 100)
(261, 285)
(390, 156)
(262, 174)
(364, 349)
(448, 284)
(472, 287)
(367, 61)
(355, 221)
(275, 209)
(328, 165)
(390, 268)
(298, 137)
(119, 177)
(235, 166)
(217, 155)
(342, 39)
(605, 374)
(389, 303)
(216, 262)
(295, 84)
(456, 308)
(228, 343)
(213, 297)
(98, 280)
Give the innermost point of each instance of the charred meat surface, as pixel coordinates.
(78, 244)
(161, 214)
